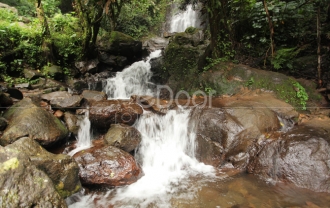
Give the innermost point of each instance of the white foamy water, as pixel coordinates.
(84, 135)
(184, 19)
(134, 80)
(167, 157)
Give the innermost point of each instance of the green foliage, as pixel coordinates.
(66, 37)
(191, 30)
(301, 95)
(284, 58)
(212, 62)
(20, 41)
(250, 82)
(141, 17)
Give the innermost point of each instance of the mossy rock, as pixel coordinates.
(120, 44)
(228, 78)
(22, 184)
(27, 119)
(61, 169)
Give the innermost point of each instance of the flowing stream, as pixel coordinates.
(134, 80)
(184, 19)
(84, 135)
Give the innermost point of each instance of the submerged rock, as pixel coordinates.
(24, 185)
(107, 166)
(124, 137)
(62, 169)
(27, 119)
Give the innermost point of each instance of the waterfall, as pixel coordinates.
(84, 135)
(134, 80)
(166, 154)
(182, 20)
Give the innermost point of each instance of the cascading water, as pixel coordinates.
(134, 80)
(84, 135)
(187, 18)
(166, 154)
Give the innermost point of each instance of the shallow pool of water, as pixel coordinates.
(226, 190)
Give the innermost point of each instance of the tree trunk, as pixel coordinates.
(46, 46)
(271, 29)
(318, 25)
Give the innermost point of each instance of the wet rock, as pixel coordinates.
(62, 99)
(77, 86)
(27, 119)
(71, 122)
(14, 93)
(124, 137)
(106, 112)
(301, 156)
(68, 103)
(90, 66)
(113, 61)
(107, 166)
(155, 43)
(91, 95)
(154, 104)
(3, 123)
(216, 131)
(56, 95)
(62, 169)
(54, 71)
(23, 185)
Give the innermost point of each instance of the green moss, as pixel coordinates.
(65, 193)
(10, 164)
(191, 30)
(116, 36)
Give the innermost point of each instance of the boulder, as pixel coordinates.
(68, 103)
(5, 6)
(300, 156)
(54, 71)
(27, 119)
(49, 85)
(92, 95)
(3, 123)
(107, 166)
(155, 43)
(61, 169)
(77, 85)
(62, 99)
(72, 122)
(90, 66)
(119, 44)
(31, 74)
(118, 62)
(156, 105)
(24, 185)
(5, 100)
(56, 95)
(106, 112)
(123, 137)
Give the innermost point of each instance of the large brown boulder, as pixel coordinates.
(156, 105)
(22, 184)
(228, 130)
(124, 137)
(300, 156)
(62, 169)
(62, 99)
(107, 166)
(106, 112)
(92, 95)
(27, 119)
